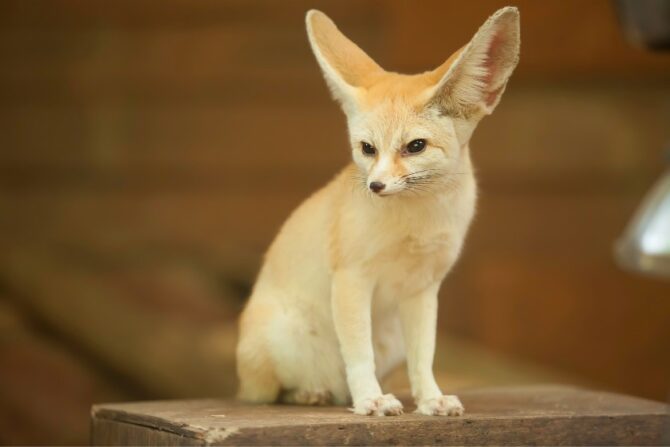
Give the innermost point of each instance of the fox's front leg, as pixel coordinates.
(351, 303)
(419, 321)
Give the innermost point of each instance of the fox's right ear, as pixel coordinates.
(345, 66)
(474, 78)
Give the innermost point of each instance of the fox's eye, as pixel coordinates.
(368, 149)
(416, 146)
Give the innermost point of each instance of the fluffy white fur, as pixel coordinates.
(349, 287)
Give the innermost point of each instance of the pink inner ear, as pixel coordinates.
(492, 96)
(492, 61)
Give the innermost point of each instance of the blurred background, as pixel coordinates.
(149, 151)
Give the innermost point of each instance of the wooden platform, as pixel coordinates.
(554, 415)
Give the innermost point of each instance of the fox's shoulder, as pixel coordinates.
(346, 180)
(327, 199)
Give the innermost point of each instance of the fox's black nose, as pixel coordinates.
(377, 186)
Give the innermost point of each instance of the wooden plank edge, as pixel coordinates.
(146, 421)
(639, 429)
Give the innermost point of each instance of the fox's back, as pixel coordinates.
(297, 262)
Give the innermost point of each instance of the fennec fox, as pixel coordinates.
(349, 287)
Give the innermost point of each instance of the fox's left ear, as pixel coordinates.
(472, 81)
(345, 66)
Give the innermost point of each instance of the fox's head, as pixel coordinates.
(411, 132)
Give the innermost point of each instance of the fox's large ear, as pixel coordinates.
(471, 82)
(345, 66)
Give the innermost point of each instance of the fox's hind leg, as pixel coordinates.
(255, 368)
(258, 382)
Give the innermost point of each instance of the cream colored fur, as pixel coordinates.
(349, 287)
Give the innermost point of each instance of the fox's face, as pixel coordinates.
(410, 133)
(400, 144)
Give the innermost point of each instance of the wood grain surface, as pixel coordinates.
(543, 414)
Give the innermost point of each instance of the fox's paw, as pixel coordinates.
(308, 397)
(440, 406)
(386, 405)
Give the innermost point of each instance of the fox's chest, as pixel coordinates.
(416, 248)
(415, 262)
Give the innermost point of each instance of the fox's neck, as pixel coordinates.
(452, 201)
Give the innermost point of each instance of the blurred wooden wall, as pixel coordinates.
(150, 151)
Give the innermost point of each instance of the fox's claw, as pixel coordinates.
(440, 406)
(386, 405)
